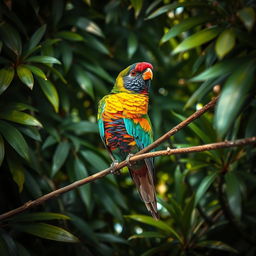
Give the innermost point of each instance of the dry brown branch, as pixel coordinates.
(140, 155)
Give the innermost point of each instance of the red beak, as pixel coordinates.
(147, 74)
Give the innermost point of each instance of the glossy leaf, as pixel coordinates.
(137, 5)
(203, 187)
(43, 59)
(110, 238)
(69, 35)
(25, 76)
(197, 39)
(225, 43)
(247, 16)
(48, 231)
(6, 77)
(17, 171)
(11, 38)
(36, 71)
(149, 234)
(94, 159)
(233, 193)
(155, 223)
(184, 26)
(2, 150)
(31, 132)
(89, 26)
(15, 139)
(233, 97)
(60, 156)
(50, 92)
(36, 37)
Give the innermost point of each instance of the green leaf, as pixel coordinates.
(84, 81)
(233, 193)
(179, 185)
(81, 127)
(15, 139)
(149, 234)
(80, 172)
(203, 187)
(17, 171)
(43, 59)
(36, 37)
(222, 68)
(197, 39)
(47, 231)
(137, 5)
(247, 16)
(155, 223)
(89, 26)
(60, 156)
(32, 185)
(233, 97)
(50, 92)
(11, 38)
(6, 77)
(39, 216)
(1, 150)
(94, 159)
(225, 43)
(110, 238)
(132, 45)
(25, 76)
(217, 245)
(20, 117)
(184, 25)
(36, 71)
(31, 132)
(69, 35)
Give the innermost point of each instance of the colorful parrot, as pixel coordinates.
(125, 127)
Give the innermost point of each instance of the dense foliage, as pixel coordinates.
(58, 58)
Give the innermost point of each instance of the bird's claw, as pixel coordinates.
(113, 168)
(128, 159)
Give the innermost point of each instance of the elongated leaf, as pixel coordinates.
(31, 132)
(218, 245)
(50, 92)
(36, 71)
(110, 238)
(132, 45)
(147, 235)
(155, 223)
(233, 193)
(180, 187)
(1, 150)
(25, 76)
(69, 35)
(48, 231)
(6, 77)
(15, 139)
(197, 39)
(17, 171)
(11, 38)
(233, 97)
(184, 25)
(203, 187)
(94, 159)
(89, 26)
(36, 37)
(60, 156)
(225, 43)
(43, 59)
(32, 185)
(82, 127)
(247, 16)
(137, 5)
(39, 216)
(80, 172)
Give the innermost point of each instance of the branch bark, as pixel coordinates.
(139, 156)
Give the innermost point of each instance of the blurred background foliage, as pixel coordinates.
(58, 58)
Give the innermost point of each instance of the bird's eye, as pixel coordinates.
(133, 73)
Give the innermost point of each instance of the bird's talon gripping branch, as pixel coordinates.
(128, 159)
(113, 168)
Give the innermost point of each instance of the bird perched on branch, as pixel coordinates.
(125, 127)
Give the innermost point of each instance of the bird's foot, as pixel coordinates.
(128, 160)
(113, 168)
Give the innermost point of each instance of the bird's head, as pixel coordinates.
(134, 79)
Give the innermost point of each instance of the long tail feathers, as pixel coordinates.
(145, 185)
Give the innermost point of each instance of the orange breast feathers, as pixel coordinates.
(127, 105)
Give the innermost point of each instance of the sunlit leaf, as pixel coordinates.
(89, 26)
(197, 39)
(50, 92)
(137, 5)
(149, 234)
(69, 35)
(47, 231)
(25, 76)
(15, 139)
(6, 77)
(60, 156)
(225, 43)
(247, 16)
(233, 97)
(36, 71)
(43, 59)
